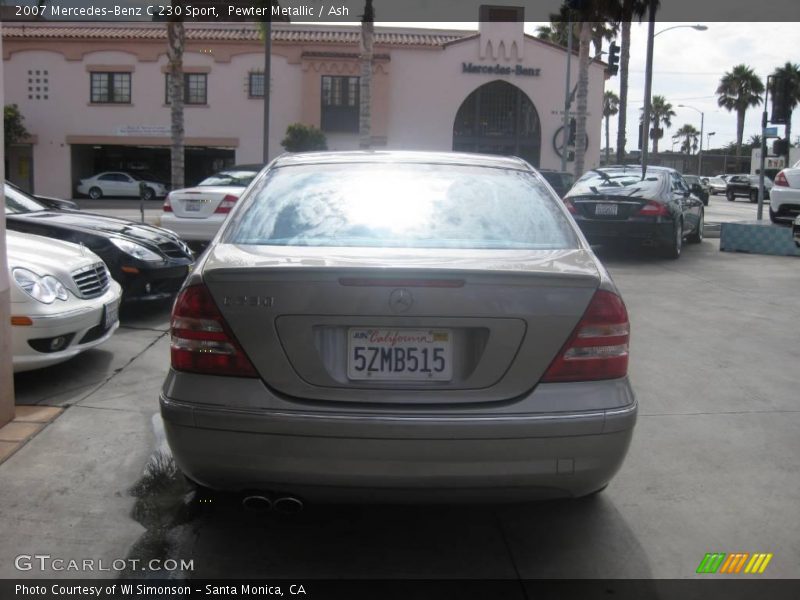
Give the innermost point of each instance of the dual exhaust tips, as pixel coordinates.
(287, 505)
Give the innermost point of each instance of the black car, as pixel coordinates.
(697, 187)
(746, 186)
(150, 263)
(50, 201)
(617, 204)
(560, 181)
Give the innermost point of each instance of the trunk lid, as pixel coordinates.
(200, 202)
(504, 314)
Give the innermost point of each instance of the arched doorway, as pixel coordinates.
(498, 118)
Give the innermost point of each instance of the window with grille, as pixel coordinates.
(255, 85)
(195, 88)
(111, 88)
(340, 103)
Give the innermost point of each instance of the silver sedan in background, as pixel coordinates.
(396, 326)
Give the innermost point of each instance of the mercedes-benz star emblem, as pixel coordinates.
(400, 300)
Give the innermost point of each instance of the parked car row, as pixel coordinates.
(73, 268)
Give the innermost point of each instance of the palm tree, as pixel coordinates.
(610, 108)
(789, 72)
(556, 33)
(628, 9)
(176, 38)
(739, 89)
(689, 136)
(602, 30)
(365, 88)
(754, 141)
(660, 113)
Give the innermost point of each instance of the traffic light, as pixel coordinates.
(781, 98)
(613, 59)
(780, 147)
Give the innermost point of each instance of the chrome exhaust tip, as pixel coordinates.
(288, 505)
(257, 503)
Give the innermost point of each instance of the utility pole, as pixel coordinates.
(760, 213)
(648, 85)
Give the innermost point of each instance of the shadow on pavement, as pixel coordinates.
(555, 539)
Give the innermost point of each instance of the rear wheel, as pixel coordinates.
(149, 194)
(95, 193)
(731, 196)
(673, 248)
(697, 235)
(753, 196)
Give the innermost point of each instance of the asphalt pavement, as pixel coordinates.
(714, 465)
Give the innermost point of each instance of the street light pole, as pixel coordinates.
(648, 81)
(699, 152)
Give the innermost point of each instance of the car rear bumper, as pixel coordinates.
(656, 232)
(414, 456)
(193, 230)
(785, 203)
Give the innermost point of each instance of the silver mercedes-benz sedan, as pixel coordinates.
(398, 326)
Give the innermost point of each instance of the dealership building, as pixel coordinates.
(94, 95)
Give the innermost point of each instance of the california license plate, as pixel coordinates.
(192, 205)
(399, 354)
(609, 210)
(110, 314)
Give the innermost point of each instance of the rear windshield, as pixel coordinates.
(17, 202)
(618, 181)
(405, 205)
(232, 178)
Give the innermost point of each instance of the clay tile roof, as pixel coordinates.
(243, 32)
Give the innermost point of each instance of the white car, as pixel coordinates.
(63, 300)
(784, 201)
(196, 213)
(118, 183)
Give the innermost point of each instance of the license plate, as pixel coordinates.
(399, 354)
(192, 205)
(110, 314)
(606, 209)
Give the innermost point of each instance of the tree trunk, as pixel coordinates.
(365, 87)
(582, 97)
(176, 37)
(739, 135)
(624, 61)
(655, 136)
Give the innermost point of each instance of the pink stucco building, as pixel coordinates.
(94, 95)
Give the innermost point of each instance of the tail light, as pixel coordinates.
(201, 340)
(227, 204)
(167, 204)
(654, 209)
(570, 206)
(780, 179)
(598, 348)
